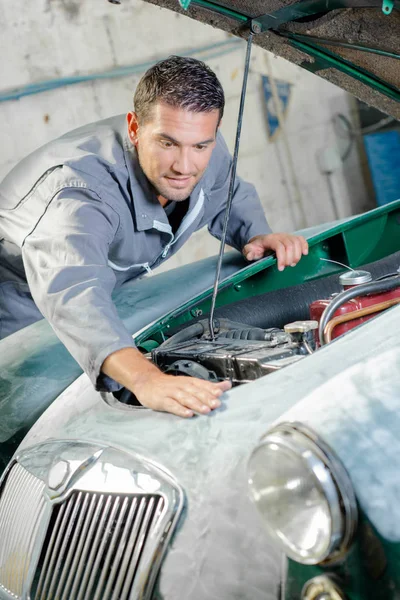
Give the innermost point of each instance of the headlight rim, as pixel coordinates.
(297, 435)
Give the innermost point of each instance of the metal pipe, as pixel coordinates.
(359, 290)
(232, 184)
(356, 314)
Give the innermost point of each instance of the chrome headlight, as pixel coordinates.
(303, 494)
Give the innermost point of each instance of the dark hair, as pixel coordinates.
(182, 82)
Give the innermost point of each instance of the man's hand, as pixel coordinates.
(182, 396)
(288, 248)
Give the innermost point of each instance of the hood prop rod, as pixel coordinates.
(254, 28)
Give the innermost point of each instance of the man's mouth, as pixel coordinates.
(179, 182)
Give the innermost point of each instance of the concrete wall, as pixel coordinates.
(52, 39)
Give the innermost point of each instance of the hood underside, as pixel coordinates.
(351, 43)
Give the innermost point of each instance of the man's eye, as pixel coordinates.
(166, 144)
(200, 147)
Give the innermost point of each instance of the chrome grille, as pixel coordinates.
(22, 506)
(94, 546)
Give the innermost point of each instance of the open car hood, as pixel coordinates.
(351, 43)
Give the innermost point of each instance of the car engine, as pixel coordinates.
(237, 352)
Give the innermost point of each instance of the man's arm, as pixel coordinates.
(66, 262)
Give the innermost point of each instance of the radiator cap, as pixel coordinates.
(355, 278)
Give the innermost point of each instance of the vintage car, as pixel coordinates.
(288, 491)
(105, 499)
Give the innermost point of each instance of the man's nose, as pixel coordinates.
(183, 163)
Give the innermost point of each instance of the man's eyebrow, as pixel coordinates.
(171, 139)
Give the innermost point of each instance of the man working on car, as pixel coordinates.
(103, 203)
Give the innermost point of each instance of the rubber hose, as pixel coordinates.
(188, 333)
(245, 333)
(385, 285)
(197, 329)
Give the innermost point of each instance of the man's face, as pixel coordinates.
(174, 147)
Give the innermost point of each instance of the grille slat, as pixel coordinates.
(59, 533)
(94, 552)
(131, 544)
(121, 550)
(14, 484)
(21, 494)
(82, 549)
(104, 541)
(113, 543)
(74, 502)
(49, 554)
(33, 537)
(138, 548)
(12, 493)
(18, 575)
(129, 549)
(155, 522)
(79, 517)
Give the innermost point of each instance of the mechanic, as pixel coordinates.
(106, 202)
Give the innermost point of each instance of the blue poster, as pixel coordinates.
(283, 88)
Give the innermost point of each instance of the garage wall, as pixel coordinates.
(60, 41)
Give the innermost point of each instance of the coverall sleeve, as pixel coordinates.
(247, 218)
(65, 259)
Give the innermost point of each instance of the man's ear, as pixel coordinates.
(133, 127)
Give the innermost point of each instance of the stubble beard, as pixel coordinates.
(166, 192)
(173, 195)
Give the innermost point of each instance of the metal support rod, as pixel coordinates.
(231, 184)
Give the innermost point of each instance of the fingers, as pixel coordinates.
(199, 395)
(280, 251)
(304, 245)
(181, 396)
(289, 250)
(297, 251)
(172, 406)
(189, 398)
(253, 251)
(224, 386)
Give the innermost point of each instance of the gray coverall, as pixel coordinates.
(78, 217)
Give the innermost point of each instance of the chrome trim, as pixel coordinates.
(20, 492)
(95, 483)
(333, 479)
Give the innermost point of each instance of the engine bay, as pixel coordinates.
(268, 332)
